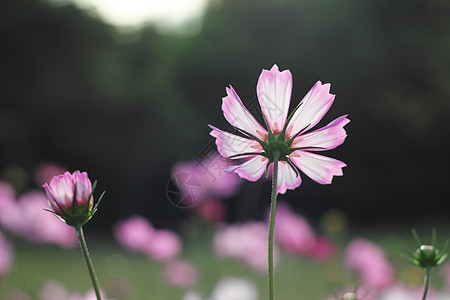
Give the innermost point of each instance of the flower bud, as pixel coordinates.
(428, 256)
(71, 198)
(349, 296)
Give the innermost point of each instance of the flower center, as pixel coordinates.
(278, 144)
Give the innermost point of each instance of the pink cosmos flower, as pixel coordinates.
(134, 233)
(212, 179)
(46, 172)
(289, 136)
(60, 192)
(70, 197)
(138, 234)
(370, 261)
(246, 242)
(293, 232)
(27, 218)
(181, 273)
(164, 246)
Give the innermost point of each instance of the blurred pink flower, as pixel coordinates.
(181, 273)
(293, 232)
(323, 249)
(134, 233)
(137, 234)
(165, 245)
(370, 262)
(6, 256)
(212, 210)
(27, 218)
(46, 172)
(52, 290)
(284, 134)
(245, 242)
(210, 176)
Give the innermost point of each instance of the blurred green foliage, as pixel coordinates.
(125, 106)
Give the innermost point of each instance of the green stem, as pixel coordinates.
(273, 206)
(427, 283)
(89, 264)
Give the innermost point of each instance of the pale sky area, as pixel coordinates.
(171, 14)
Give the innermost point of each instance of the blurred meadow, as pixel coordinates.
(130, 104)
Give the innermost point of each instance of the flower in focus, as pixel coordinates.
(71, 197)
(181, 273)
(370, 261)
(286, 136)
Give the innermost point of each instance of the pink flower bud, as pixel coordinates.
(70, 197)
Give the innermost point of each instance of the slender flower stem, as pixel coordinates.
(427, 283)
(273, 206)
(89, 264)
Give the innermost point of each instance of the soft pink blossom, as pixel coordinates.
(245, 242)
(137, 234)
(370, 262)
(181, 273)
(6, 256)
(323, 249)
(293, 232)
(210, 176)
(165, 245)
(46, 172)
(27, 218)
(212, 210)
(274, 94)
(134, 233)
(60, 191)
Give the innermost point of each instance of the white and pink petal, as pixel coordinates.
(313, 107)
(325, 138)
(317, 167)
(274, 94)
(229, 144)
(287, 178)
(252, 169)
(238, 115)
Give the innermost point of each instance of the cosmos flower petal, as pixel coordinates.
(229, 144)
(313, 107)
(287, 178)
(238, 116)
(319, 168)
(274, 94)
(252, 169)
(328, 137)
(62, 188)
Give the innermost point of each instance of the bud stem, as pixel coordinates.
(273, 205)
(427, 283)
(88, 260)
